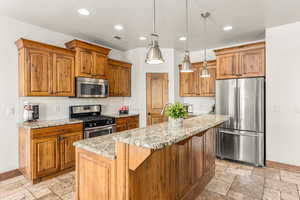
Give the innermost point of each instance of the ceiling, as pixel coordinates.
(249, 19)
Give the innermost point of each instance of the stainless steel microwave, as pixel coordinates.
(91, 88)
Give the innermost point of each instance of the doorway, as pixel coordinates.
(157, 97)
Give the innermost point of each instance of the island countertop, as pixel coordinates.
(153, 137)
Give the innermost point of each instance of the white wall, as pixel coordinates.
(283, 96)
(138, 78)
(10, 103)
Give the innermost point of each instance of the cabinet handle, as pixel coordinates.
(94, 74)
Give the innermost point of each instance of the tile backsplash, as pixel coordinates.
(52, 108)
(200, 104)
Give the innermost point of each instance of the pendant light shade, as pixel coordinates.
(186, 64)
(154, 55)
(205, 72)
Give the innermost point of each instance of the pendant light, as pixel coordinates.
(186, 64)
(205, 72)
(154, 55)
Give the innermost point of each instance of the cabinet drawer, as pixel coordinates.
(56, 130)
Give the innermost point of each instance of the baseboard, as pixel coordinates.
(10, 174)
(282, 166)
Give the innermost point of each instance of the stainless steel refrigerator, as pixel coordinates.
(242, 138)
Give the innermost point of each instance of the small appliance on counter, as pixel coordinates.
(188, 107)
(124, 110)
(31, 112)
(94, 124)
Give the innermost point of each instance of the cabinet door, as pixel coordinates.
(252, 63)
(39, 73)
(67, 150)
(121, 124)
(132, 123)
(227, 66)
(113, 80)
(124, 82)
(207, 86)
(210, 149)
(100, 62)
(183, 167)
(45, 156)
(188, 83)
(86, 62)
(198, 158)
(63, 75)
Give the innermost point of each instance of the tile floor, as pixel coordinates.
(232, 182)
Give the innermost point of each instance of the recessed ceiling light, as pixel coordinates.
(142, 38)
(84, 12)
(119, 27)
(227, 28)
(183, 38)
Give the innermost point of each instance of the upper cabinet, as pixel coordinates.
(45, 70)
(119, 78)
(91, 60)
(241, 62)
(192, 85)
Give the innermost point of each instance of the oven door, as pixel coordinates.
(99, 131)
(91, 88)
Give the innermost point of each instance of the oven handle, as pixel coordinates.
(100, 128)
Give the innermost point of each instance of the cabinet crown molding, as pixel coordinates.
(244, 47)
(119, 62)
(85, 45)
(25, 43)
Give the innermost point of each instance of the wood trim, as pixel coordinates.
(85, 45)
(282, 166)
(9, 174)
(210, 63)
(240, 48)
(118, 62)
(137, 155)
(25, 43)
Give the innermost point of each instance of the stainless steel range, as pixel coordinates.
(94, 123)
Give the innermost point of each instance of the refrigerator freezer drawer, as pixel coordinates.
(241, 146)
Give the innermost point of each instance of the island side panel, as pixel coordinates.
(95, 176)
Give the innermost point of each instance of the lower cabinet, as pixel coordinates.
(46, 152)
(127, 123)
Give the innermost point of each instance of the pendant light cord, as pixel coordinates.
(204, 29)
(154, 16)
(187, 24)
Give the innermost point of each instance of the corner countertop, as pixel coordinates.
(48, 123)
(116, 115)
(153, 137)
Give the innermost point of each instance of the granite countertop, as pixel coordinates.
(154, 137)
(48, 123)
(117, 115)
(102, 145)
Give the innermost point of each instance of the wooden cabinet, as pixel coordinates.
(119, 78)
(127, 123)
(241, 62)
(63, 75)
(210, 149)
(47, 152)
(91, 60)
(67, 150)
(45, 70)
(192, 85)
(227, 66)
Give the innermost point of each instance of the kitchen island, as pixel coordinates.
(156, 162)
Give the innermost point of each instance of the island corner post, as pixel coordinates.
(179, 171)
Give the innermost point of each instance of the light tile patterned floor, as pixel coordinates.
(232, 182)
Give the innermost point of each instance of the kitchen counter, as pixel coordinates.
(156, 162)
(48, 123)
(153, 137)
(116, 115)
